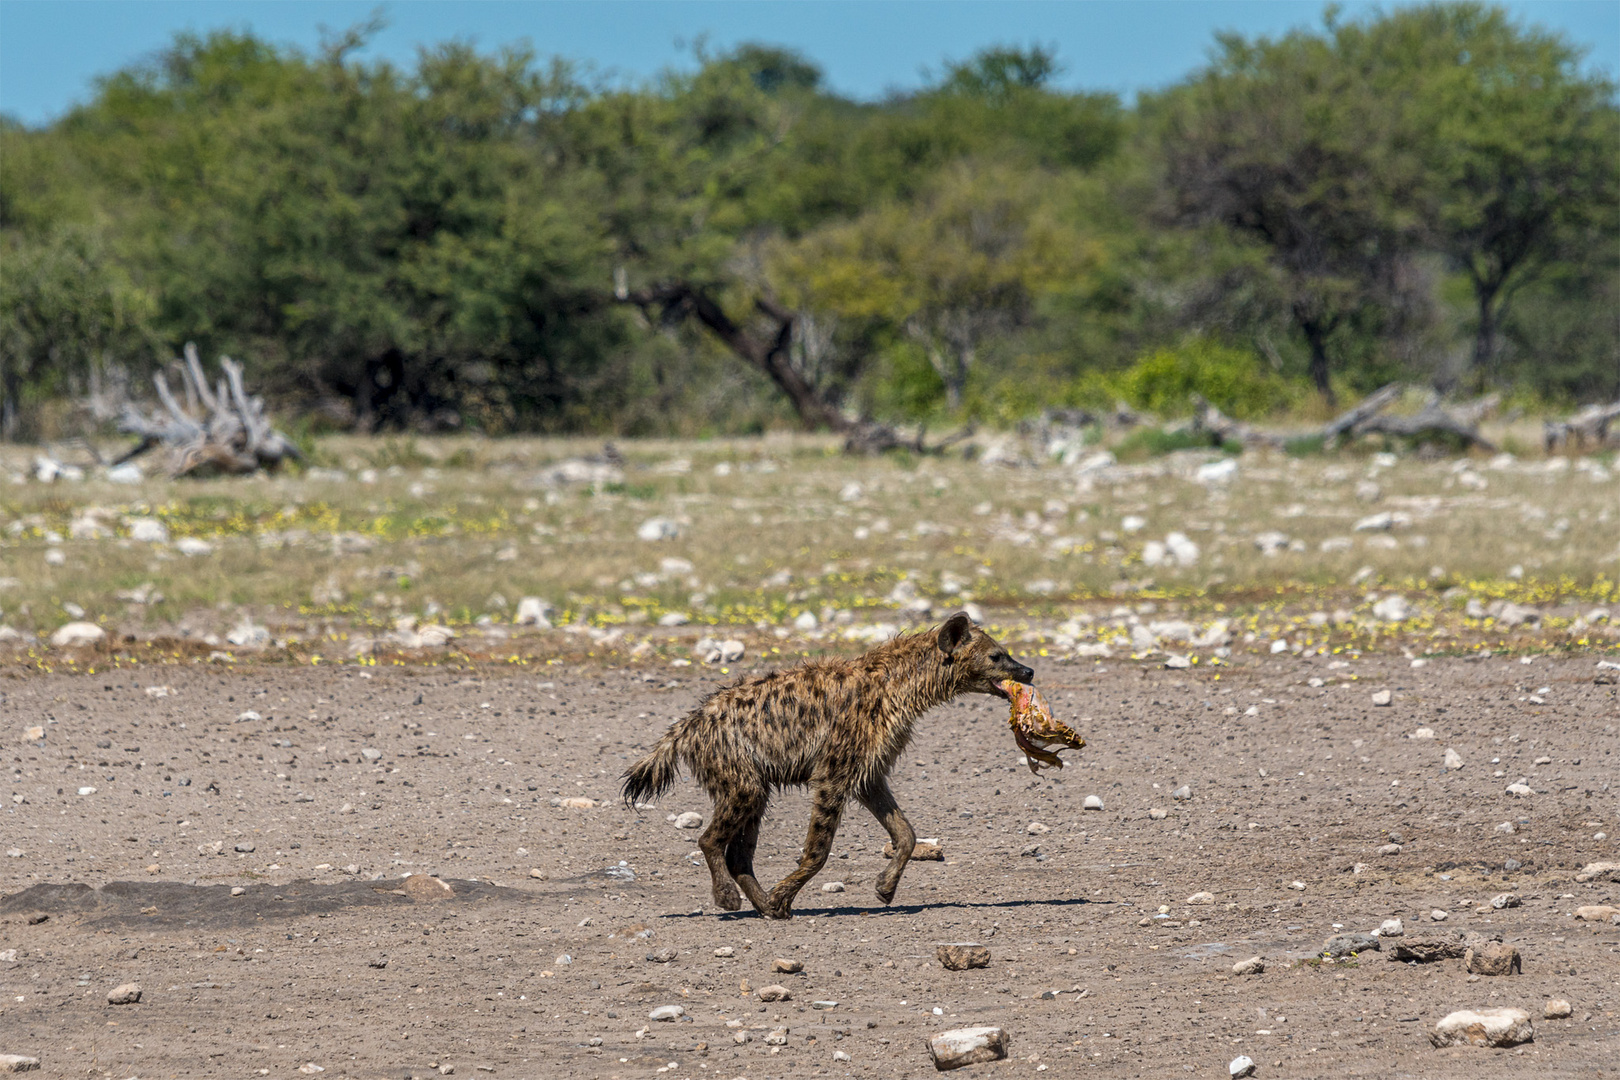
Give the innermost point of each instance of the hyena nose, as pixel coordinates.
(1026, 675)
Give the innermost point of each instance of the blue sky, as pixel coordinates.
(52, 50)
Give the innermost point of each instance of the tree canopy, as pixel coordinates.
(496, 241)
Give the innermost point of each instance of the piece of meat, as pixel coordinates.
(1034, 728)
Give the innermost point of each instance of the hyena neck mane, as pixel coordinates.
(916, 676)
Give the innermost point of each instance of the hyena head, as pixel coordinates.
(977, 660)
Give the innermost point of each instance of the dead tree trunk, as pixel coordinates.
(767, 349)
(230, 434)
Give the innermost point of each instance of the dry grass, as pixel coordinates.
(458, 530)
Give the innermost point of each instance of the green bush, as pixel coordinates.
(1146, 442)
(1234, 380)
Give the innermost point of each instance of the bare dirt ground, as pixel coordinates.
(148, 802)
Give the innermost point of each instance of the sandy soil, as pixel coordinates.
(537, 965)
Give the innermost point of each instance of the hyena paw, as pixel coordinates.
(778, 909)
(885, 895)
(727, 898)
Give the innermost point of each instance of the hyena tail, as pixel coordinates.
(654, 774)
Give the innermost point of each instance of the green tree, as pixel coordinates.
(1519, 150)
(1285, 143)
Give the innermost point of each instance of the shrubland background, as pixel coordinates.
(502, 243)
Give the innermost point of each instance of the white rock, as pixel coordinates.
(249, 634)
(1505, 900)
(191, 545)
(1158, 813)
(691, 819)
(1242, 1065)
(55, 557)
(1279, 646)
(127, 473)
(832, 886)
(1382, 697)
(1439, 915)
(74, 634)
(967, 1046)
(667, 1012)
(1389, 849)
(1093, 802)
(1271, 541)
(1037, 828)
(1201, 898)
(1383, 522)
(1254, 965)
(17, 1063)
(127, 994)
(1484, 1027)
(1216, 472)
(1182, 793)
(1520, 789)
(658, 528)
(533, 611)
(87, 790)
(1557, 1009)
(841, 1057)
(370, 753)
(1392, 609)
(725, 951)
(674, 618)
(851, 492)
(1420, 733)
(1297, 886)
(1131, 523)
(1452, 759)
(1390, 928)
(148, 531)
(1182, 549)
(1177, 661)
(805, 622)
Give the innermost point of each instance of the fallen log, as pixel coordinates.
(1370, 406)
(1591, 422)
(1460, 422)
(1208, 418)
(229, 433)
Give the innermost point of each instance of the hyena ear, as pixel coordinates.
(957, 629)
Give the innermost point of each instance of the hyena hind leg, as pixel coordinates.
(740, 861)
(727, 823)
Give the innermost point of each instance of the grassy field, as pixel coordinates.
(785, 539)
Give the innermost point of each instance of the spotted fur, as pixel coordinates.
(835, 725)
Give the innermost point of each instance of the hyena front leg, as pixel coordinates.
(877, 798)
(826, 808)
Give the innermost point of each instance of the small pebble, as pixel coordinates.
(1391, 928)
(689, 820)
(1254, 965)
(1158, 814)
(1382, 697)
(1241, 1066)
(1037, 828)
(840, 1056)
(1504, 900)
(787, 967)
(667, 1012)
(1093, 802)
(1557, 1009)
(1439, 916)
(1182, 793)
(237, 890)
(775, 993)
(725, 951)
(833, 886)
(662, 956)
